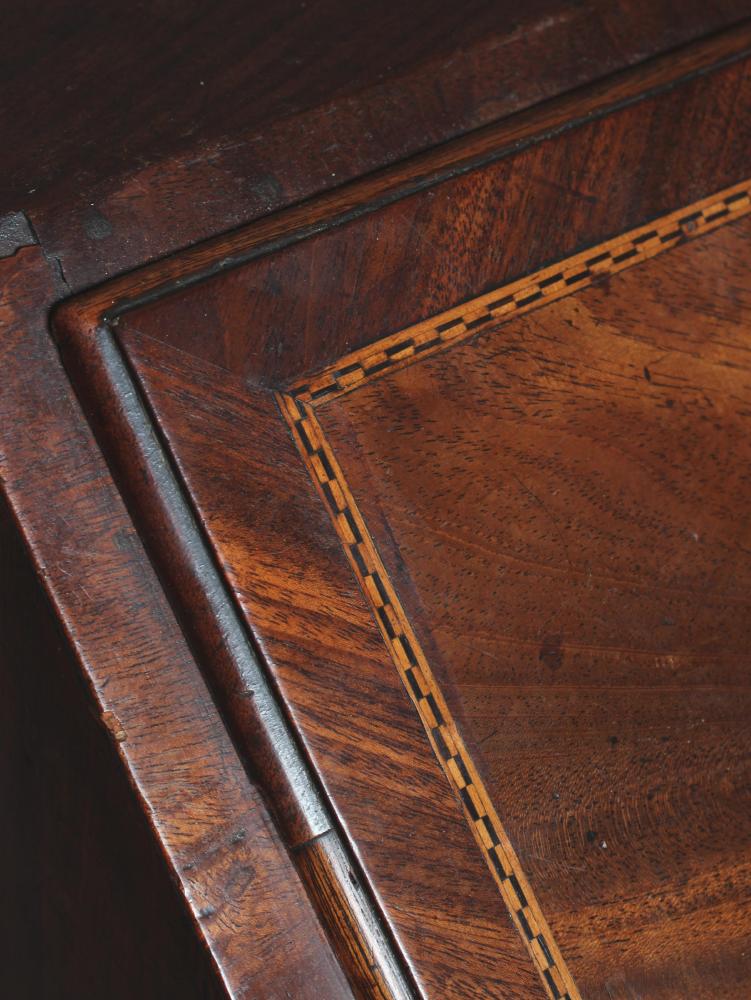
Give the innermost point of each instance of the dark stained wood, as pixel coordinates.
(204, 357)
(317, 634)
(294, 311)
(221, 642)
(562, 504)
(132, 131)
(374, 191)
(239, 887)
(89, 906)
(334, 882)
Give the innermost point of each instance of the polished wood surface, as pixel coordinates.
(560, 501)
(131, 131)
(569, 187)
(457, 585)
(316, 630)
(211, 827)
(202, 362)
(80, 858)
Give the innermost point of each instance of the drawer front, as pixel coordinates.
(448, 478)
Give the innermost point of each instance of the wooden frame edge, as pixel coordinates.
(207, 822)
(222, 645)
(424, 170)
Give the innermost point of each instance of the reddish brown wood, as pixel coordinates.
(131, 132)
(347, 702)
(203, 359)
(85, 885)
(292, 312)
(561, 505)
(376, 190)
(212, 827)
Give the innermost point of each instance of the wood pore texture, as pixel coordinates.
(403, 548)
(210, 827)
(496, 572)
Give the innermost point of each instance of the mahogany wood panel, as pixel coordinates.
(562, 502)
(203, 359)
(221, 116)
(132, 131)
(240, 889)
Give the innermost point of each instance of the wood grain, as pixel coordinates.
(534, 290)
(85, 885)
(203, 336)
(291, 312)
(240, 890)
(316, 631)
(223, 116)
(571, 547)
(228, 114)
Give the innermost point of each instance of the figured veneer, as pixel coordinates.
(196, 345)
(378, 361)
(312, 624)
(225, 114)
(544, 286)
(233, 112)
(291, 312)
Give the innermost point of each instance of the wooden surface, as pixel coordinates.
(292, 312)
(316, 631)
(133, 131)
(211, 826)
(205, 360)
(560, 502)
(242, 723)
(80, 859)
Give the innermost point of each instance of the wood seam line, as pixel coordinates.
(395, 351)
(507, 301)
